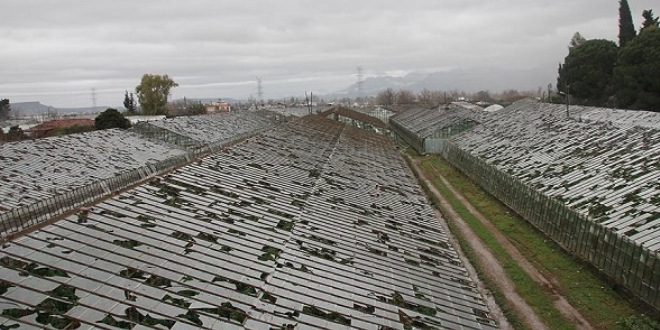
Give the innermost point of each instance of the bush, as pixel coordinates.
(111, 118)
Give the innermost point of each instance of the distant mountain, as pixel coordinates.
(472, 80)
(36, 108)
(31, 108)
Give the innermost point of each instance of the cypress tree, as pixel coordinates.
(626, 26)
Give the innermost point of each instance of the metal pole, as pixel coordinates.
(568, 100)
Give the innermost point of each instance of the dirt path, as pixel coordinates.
(495, 271)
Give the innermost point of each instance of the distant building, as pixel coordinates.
(218, 107)
(50, 128)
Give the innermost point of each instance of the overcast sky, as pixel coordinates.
(57, 51)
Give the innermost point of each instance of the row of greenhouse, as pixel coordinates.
(43, 177)
(313, 224)
(588, 177)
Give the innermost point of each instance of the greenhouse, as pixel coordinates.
(426, 129)
(357, 119)
(45, 177)
(588, 177)
(313, 225)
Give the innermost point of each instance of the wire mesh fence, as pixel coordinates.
(630, 265)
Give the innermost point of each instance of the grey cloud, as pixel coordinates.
(209, 46)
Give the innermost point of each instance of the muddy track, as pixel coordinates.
(494, 270)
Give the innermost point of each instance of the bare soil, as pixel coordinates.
(494, 270)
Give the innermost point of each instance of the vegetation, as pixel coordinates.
(111, 118)
(15, 133)
(598, 73)
(330, 316)
(31, 269)
(577, 40)
(130, 104)
(129, 243)
(187, 108)
(73, 129)
(226, 311)
(285, 225)
(588, 71)
(637, 72)
(152, 92)
(649, 20)
(386, 97)
(5, 108)
(269, 253)
(626, 26)
(245, 288)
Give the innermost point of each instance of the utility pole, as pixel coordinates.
(308, 100)
(260, 91)
(360, 82)
(93, 99)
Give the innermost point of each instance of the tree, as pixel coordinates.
(5, 108)
(15, 133)
(576, 40)
(511, 95)
(405, 96)
(649, 20)
(153, 91)
(425, 96)
(196, 108)
(187, 108)
(637, 71)
(129, 104)
(588, 70)
(626, 26)
(386, 97)
(111, 118)
(483, 96)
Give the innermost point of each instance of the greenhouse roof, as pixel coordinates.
(359, 116)
(32, 170)
(205, 128)
(604, 163)
(313, 225)
(425, 122)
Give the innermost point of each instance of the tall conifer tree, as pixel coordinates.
(626, 26)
